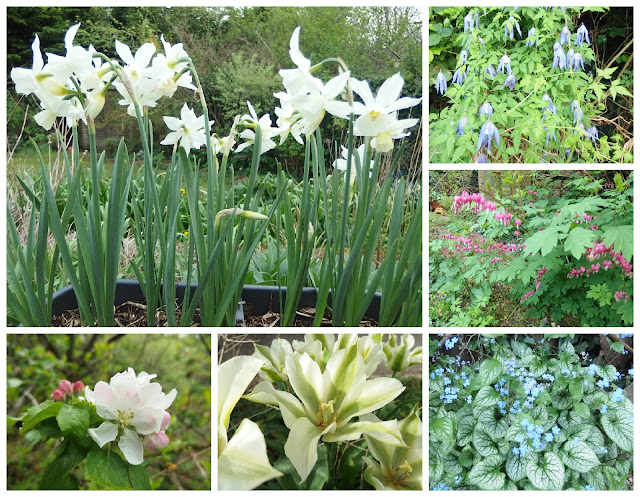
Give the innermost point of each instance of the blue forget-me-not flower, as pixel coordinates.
(461, 125)
(441, 83)
(565, 35)
(510, 82)
(505, 63)
(582, 35)
(618, 395)
(487, 132)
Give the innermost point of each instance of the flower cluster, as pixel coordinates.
(464, 198)
(65, 388)
(504, 218)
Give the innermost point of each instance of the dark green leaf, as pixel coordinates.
(139, 478)
(106, 468)
(74, 420)
(33, 416)
(56, 475)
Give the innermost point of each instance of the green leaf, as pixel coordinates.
(495, 429)
(618, 347)
(618, 426)
(56, 477)
(578, 240)
(486, 474)
(546, 476)
(515, 467)
(581, 409)
(483, 442)
(577, 455)
(486, 397)
(542, 241)
(621, 237)
(73, 420)
(443, 428)
(465, 458)
(106, 468)
(490, 371)
(436, 467)
(139, 478)
(465, 430)
(575, 388)
(34, 415)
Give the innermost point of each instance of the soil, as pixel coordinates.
(134, 315)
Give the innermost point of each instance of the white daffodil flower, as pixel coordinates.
(400, 355)
(392, 467)
(377, 115)
(132, 406)
(288, 122)
(266, 130)
(54, 107)
(77, 59)
(296, 80)
(341, 164)
(136, 66)
(242, 461)
(25, 79)
(274, 358)
(188, 130)
(326, 402)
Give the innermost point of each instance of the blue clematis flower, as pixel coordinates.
(549, 135)
(569, 56)
(565, 35)
(468, 23)
(577, 112)
(486, 109)
(550, 106)
(532, 34)
(578, 62)
(510, 82)
(505, 63)
(490, 70)
(463, 57)
(482, 159)
(508, 28)
(559, 59)
(461, 125)
(579, 127)
(582, 36)
(441, 83)
(593, 134)
(487, 132)
(459, 76)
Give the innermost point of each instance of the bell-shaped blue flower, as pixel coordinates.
(582, 36)
(463, 57)
(441, 83)
(549, 106)
(468, 23)
(486, 109)
(487, 132)
(508, 28)
(577, 112)
(505, 63)
(559, 59)
(510, 82)
(549, 134)
(578, 62)
(482, 159)
(593, 132)
(569, 57)
(565, 34)
(532, 37)
(490, 70)
(461, 125)
(459, 76)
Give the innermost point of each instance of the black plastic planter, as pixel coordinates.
(256, 298)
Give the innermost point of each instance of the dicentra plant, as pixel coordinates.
(529, 415)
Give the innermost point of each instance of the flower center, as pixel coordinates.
(326, 414)
(125, 416)
(401, 473)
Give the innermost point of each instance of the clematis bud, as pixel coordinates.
(57, 395)
(78, 387)
(65, 386)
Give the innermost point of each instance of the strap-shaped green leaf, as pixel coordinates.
(577, 455)
(486, 474)
(547, 475)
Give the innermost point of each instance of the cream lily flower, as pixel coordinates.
(395, 468)
(326, 402)
(399, 356)
(274, 360)
(242, 462)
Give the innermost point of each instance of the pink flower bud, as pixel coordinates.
(57, 395)
(65, 386)
(157, 440)
(162, 440)
(78, 387)
(166, 419)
